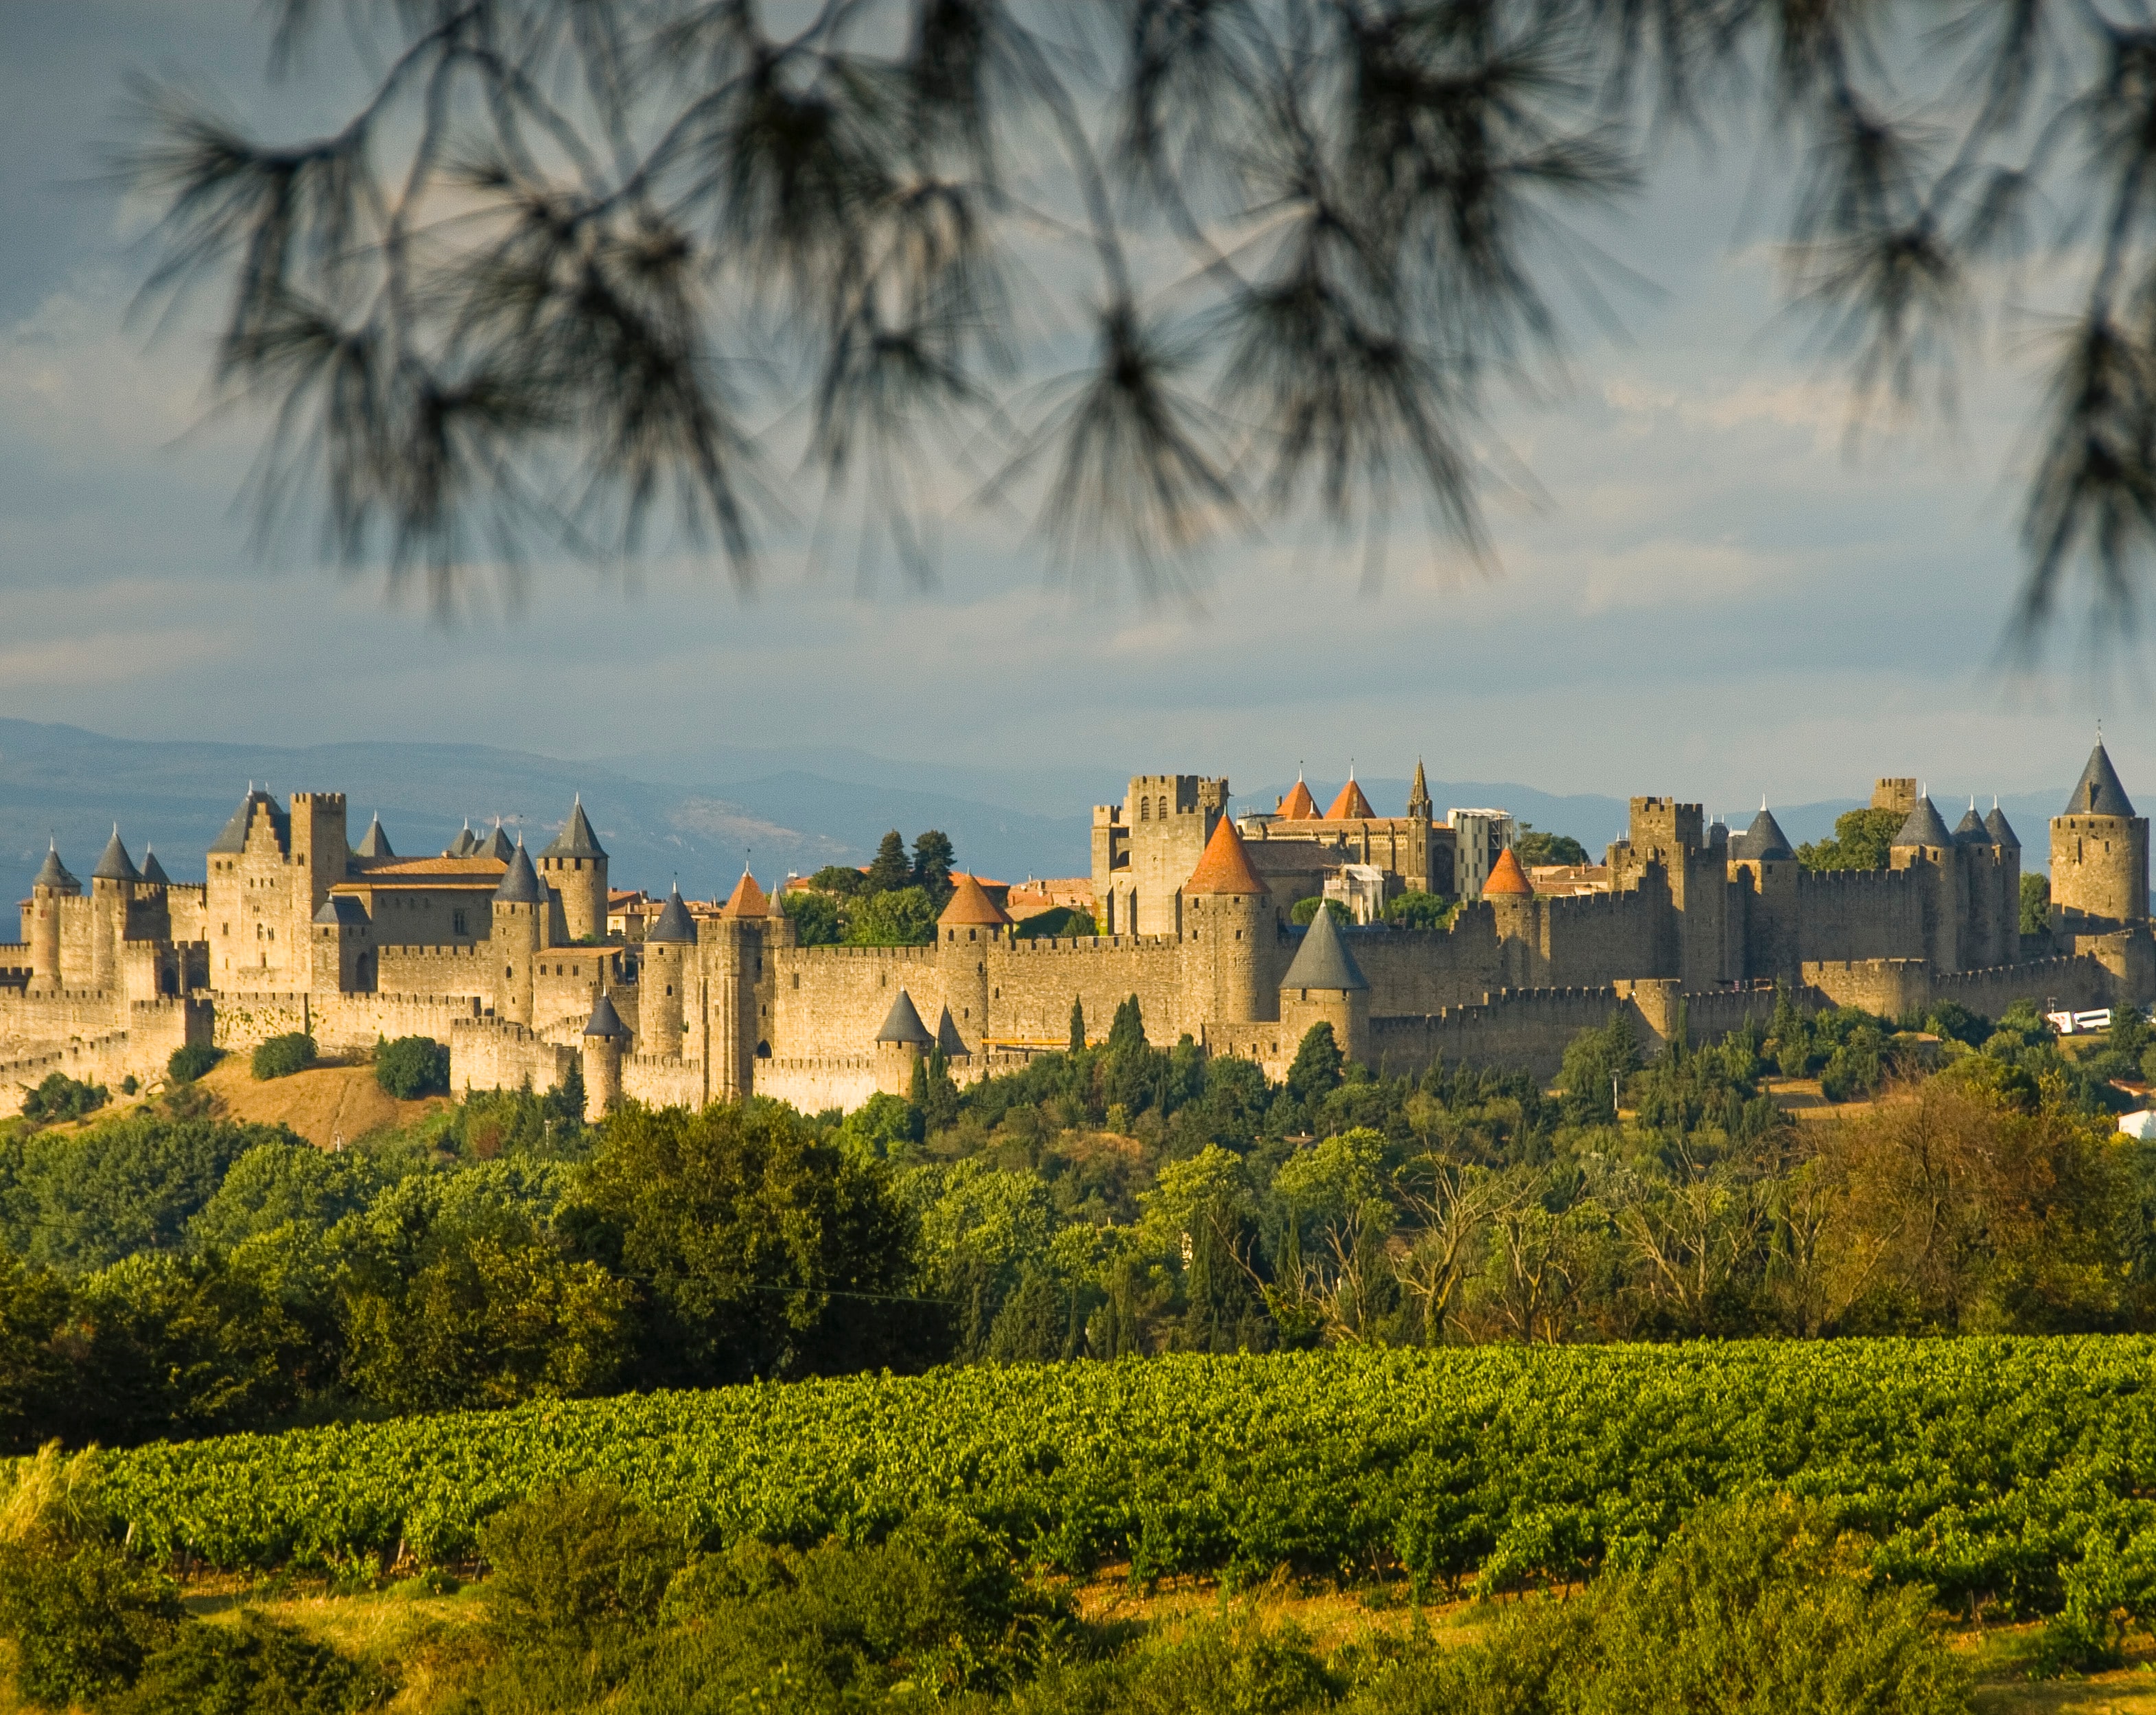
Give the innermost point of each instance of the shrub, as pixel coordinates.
(572, 1564)
(253, 1665)
(280, 1057)
(83, 1619)
(60, 1097)
(191, 1062)
(411, 1067)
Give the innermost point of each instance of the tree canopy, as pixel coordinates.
(1182, 264)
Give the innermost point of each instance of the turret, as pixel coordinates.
(1924, 845)
(900, 1046)
(668, 950)
(733, 958)
(111, 891)
(43, 931)
(1510, 897)
(1324, 984)
(575, 866)
(519, 931)
(972, 923)
(342, 944)
(374, 843)
(1229, 933)
(604, 1038)
(2099, 855)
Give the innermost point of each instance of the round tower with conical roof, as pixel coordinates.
(575, 865)
(1229, 935)
(519, 931)
(900, 1047)
(111, 891)
(605, 1040)
(1510, 898)
(736, 1002)
(2099, 855)
(669, 948)
(52, 885)
(1325, 985)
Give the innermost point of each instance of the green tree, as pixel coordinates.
(1305, 911)
(1315, 1072)
(903, 917)
(2035, 904)
(280, 1057)
(757, 1249)
(1416, 910)
(1077, 1027)
(1862, 840)
(1126, 1031)
(891, 869)
(841, 880)
(1534, 845)
(932, 857)
(34, 1373)
(814, 914)
(413, 1066)
(58, 1096)
(1597, 1062)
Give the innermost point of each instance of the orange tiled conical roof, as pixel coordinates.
(1225, 868)
(746, 899)
(1351, 806)
(1506, 877)
(1298, 805)
(970, 904)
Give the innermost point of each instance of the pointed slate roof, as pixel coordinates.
(605, 1020)
(1764, 839)
(1226, 867)
(1970, 830)
(520, 882)
(673, 923)
(746, 899)
(1323, 961)
(2098, 792)
(153, 871)
(947, 1038)
(1351, 806)
(494, 845)
(115, 865)
(233, 840)
(466, 844)
(576, 838)
(2000, 829)
(342, 910)
(970, 905)
(1506, 877)
(904, 1025)
(54, 874)
(1298, 805)
(1925, 827)
(374, 843)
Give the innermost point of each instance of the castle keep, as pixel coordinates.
(508, 958)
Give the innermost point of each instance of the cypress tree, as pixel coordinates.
(1077, 1027)
(892, 868)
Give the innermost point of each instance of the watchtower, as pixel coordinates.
(1229, 932)
(575, 865)
(519, 931)
(2099, 855)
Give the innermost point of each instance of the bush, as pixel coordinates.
(83, 1618)
(573, 1565)
(191, 1062)
(412, 1067)
(254, 1664)
(60, 1097)
(280, 1057)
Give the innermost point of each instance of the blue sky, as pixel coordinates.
(1715, 598)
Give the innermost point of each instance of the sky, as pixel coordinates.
(1712, 596)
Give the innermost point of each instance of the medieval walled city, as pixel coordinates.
(528, 966)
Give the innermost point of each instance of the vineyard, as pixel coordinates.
(1990, 1469)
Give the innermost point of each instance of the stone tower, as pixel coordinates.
(2099, 855)
(320, 856)
(111, 891)
(900, 1047)
(1229, 933)
(669, 958)
(1510, 897)
(733, 959)
(1325, 985)
(1144, 846)
(575, 866)
(971, 924)
(1924, 846)
(604, 1038)
(52, 885)
(519, 931)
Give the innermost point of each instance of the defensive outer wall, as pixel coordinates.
(501, 957)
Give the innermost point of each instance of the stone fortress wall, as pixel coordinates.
(503, 956)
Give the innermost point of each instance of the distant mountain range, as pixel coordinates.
(695, 815)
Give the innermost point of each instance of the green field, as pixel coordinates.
(1989, 1468)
